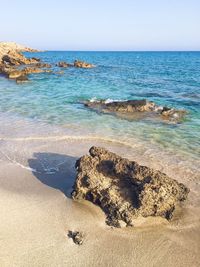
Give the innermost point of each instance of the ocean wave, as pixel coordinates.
(106, 101)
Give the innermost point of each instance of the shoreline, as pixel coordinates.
(34, 129)
(41, 213)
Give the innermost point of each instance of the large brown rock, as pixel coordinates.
(128, 106)
(124, 189)
(134, 109)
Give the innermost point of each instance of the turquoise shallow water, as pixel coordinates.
(168, 78)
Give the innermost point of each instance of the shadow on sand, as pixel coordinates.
(55, 170)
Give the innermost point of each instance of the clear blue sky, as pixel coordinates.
(102, 24)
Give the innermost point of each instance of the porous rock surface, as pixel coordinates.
(124, 189)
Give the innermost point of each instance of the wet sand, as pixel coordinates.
(36, 176)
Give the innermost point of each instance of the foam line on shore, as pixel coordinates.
(66, 137)
(18, 164)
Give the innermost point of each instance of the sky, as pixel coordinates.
(132, 25)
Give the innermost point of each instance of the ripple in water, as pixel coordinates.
(170, 79)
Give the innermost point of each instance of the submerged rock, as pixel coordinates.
(22, 79)
(82, 64)
(29, 70)
(132, 109)
(124, 189)
(172, 114)
(122, 106)
(76, 236)
(43, 65)
(13, 73)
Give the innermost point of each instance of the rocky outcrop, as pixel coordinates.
(124, 189)
(15, 59)
(11, 47)
(122, 106)
(63, 64)
(12, 60)
(130, 108)
(29, 70)
(20, 75)
(82, 64)
(10, 71)
(6, 46)
(13, 73)
(43, 65)
(77, 64)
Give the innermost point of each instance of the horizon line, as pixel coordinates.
(62, 50)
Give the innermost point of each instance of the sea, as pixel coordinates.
(52, 103)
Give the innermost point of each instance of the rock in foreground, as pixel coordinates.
(132, 109)
(124, 189)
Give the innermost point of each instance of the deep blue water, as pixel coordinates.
(168, 78)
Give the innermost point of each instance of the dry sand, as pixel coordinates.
(36, 175)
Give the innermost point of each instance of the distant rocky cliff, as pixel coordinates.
(5, 47)
(12, 61)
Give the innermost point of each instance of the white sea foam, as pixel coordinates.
(13, 161)
(93, 99)
(108, 100)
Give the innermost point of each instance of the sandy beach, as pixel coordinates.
(48, 122)
(36, 178)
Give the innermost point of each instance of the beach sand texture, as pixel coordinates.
(36, 175)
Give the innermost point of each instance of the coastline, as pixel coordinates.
(41, 212)
(37, 173)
